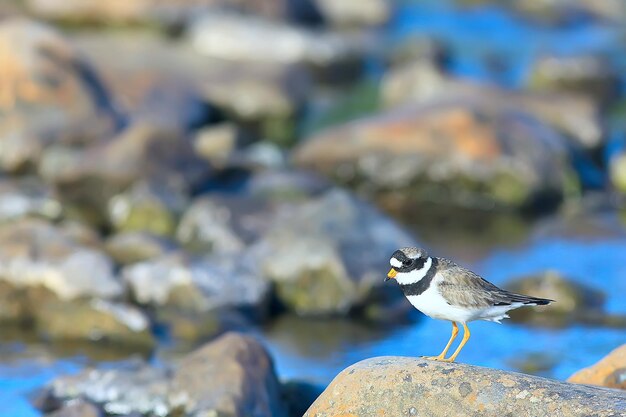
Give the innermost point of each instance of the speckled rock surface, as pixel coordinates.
(610, 371)
(398, 386)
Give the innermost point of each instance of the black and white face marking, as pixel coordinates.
(411, 265)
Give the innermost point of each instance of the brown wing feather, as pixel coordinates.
(464, 288)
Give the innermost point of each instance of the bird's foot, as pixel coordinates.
(439, 358)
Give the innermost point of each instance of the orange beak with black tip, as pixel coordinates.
(391, 274)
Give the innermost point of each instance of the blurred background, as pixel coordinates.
(175, 169)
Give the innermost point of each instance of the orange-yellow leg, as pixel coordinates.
(442, 355)
(466, 336)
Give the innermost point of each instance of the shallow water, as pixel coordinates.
(480, 42)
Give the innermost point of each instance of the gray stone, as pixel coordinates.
(77, 408)
(329, 255)
(398, 386)
(177, 282)
(34, 253)
(149, 206)
(27, 197)
(102, 321)
(134, 387)
(232, 376)
(50, 95)
(131, 247)
(355, 12)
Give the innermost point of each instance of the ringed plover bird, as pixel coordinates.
(443, 290)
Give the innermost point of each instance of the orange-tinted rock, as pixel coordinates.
(463, 154)
(48, 94)
(610, 371)
(397, 386)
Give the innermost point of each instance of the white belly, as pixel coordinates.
(434, 305)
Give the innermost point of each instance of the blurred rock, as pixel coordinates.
(245, 39)
(149, 206)
(224, 224)
(574, 302)
(429, 388)
(151, 70)
(422, 82)
(609, 372)
(179, 283)
(466, 155)
(49, 95)
(617, 171)
(591, 75)
(34, 253)
(131, 247)
(171, 13)
(328, 256)
(558, 11)
(194, 327)
(27, 197)
(105, 322)
(355, 12)
(216, 144)
(124, 389)
(285, 185)
(77, 408)
(88, 179)
(232, 376)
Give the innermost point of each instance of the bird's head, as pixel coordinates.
(409, 265)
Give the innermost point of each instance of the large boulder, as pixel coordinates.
(50, 95)
(397, 386)
(231, 376)
(464, 154)
(610, 371)
(329, 255)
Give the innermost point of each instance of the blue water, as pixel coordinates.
(317, 351)
(596, 262)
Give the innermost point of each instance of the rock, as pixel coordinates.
(285, 185)
(590, 75)
(248, 37)
(575, 302)
(217, 144)
(77, 408)
(170, 13)
(224, 223)
(34, 253)
(328, 256)
(50, 95)
(609, 372)
(105, 322)
(422, 81)
(192, 328)
(355, 12)
(398, 386)
(88, 179)
(266, 93)
(179, 283)
(27, 197)
(557, 12)
(152, 207)
(124, 389)
(617, 171)
(233, 376)
(489, 159)
(131, 247)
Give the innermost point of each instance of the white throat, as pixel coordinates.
(415, 275)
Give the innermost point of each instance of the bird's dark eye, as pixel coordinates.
(406, 262)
